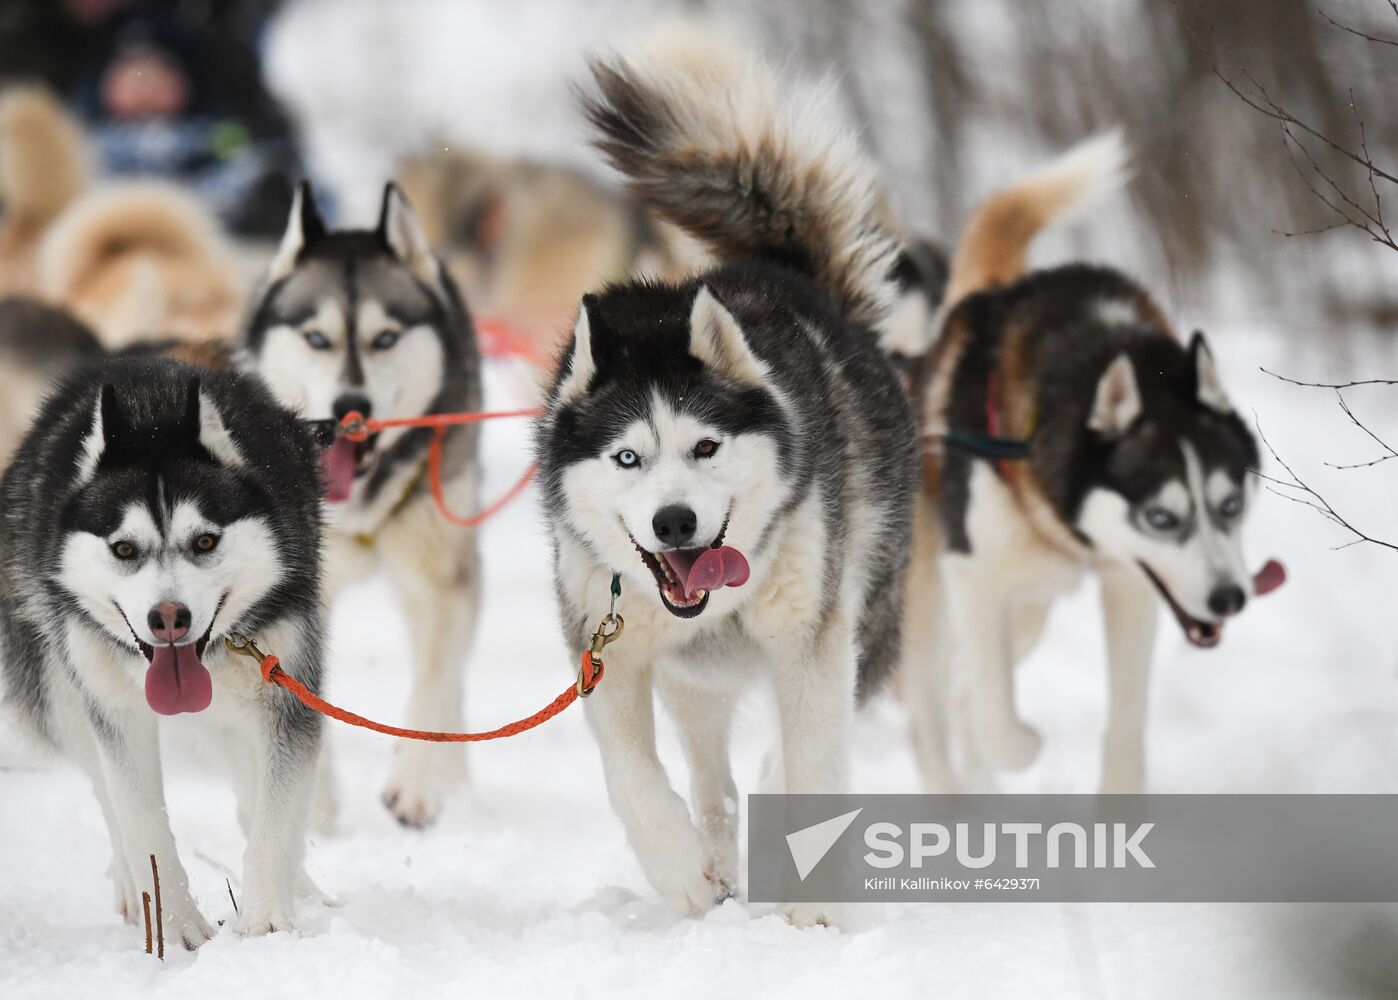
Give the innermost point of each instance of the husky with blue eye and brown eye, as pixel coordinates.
(737, 447)
(153, 511)
(368, 320)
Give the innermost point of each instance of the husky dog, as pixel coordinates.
(1077, 434)
(149, 514)
(737, 447)
(369, 321)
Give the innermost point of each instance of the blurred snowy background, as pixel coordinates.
(526, 886)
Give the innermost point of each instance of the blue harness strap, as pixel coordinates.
(986, 446)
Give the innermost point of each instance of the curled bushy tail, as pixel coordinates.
(43, 159)
(703, 139)
(997, 237)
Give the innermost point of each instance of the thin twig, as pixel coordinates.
(230, 895)
(1356, 31)
(1330, 385)
(1390, 453)
(159, 911)
(145, 905)
(1315, 501)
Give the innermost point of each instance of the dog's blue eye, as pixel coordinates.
(627, 459)
(1161, 519)
(705, 449)
(385, 340)
(1231, 506)
(317, 340)
(124, 550)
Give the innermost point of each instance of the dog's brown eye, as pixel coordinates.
(206, 543)
(705, 449)
(124, 550)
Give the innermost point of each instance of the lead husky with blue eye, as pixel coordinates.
(737, 448)
(153, 511)
(369, 320)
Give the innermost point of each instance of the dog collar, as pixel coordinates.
(992, 445)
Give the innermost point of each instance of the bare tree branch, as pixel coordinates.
(1356, 31)
(1388, 451)
(1330, 385)
(1309, 496)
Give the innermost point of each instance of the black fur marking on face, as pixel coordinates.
(640, 346)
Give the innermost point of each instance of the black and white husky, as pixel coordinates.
(737, 448)
(152, 511)
(369, 321)
(1069, 432)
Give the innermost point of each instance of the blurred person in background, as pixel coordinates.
(167, 89)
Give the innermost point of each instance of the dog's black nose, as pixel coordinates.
(352, 402)
(674, 525)
(1227, 600)
(169, 621)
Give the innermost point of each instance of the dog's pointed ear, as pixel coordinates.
(201, 413)
(100, 433)
(717, 341)
(403, 234)
(1118, 399)
(1208, 387)
(581, 363)
(304, 227)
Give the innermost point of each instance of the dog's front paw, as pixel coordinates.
(1011, 745)
(264, 916)
(184, 923)
(692, 892)
(422, 777)
(810, 914)
(677, 865)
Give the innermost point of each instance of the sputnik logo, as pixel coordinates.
(809, 845)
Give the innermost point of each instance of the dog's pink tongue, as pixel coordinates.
(337, 469)
(177, 681)
(1269, 578)
(724, 566)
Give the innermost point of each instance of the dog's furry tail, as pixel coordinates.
(130, 218)
(700, 133)
(43, 158)
(997, 237)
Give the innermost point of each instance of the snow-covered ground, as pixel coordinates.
(526, 886)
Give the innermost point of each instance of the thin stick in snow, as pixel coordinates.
(159, 911)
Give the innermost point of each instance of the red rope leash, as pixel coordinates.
(589, 676)
(357, 427)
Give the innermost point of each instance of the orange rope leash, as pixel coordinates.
(357, 427)
(589, 676)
